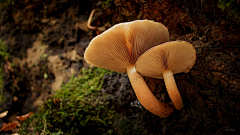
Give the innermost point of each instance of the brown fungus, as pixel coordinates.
(119, 47)
(163, 61)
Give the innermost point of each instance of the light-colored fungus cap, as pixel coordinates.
(177, 56)
(122, 44)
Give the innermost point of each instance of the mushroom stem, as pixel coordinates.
(172, 89)
(146, 97)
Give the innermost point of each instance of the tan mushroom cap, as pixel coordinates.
(119, 47)
(122, 44)
(177, 56)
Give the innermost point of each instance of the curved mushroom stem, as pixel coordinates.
(146, 97)
(172, 89)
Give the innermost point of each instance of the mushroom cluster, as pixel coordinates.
(120, 47)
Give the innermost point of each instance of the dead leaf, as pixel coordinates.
(24, 117)
(8, 127)
(13, 119)
(82, 25)
(3, 114)
(15, 134)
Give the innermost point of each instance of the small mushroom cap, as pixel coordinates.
(177, 56)
(122, 44)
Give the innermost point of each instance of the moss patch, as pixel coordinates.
(232, 7)
(78, 107)
(3, 54)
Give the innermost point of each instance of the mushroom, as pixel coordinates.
(119, 47)
(163, 61)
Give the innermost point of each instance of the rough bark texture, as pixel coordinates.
(210, 91)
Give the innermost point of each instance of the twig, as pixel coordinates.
(90, 20)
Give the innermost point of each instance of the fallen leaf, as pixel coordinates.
(9, 126)
(24, 117)
(15, 134)
(3, 114)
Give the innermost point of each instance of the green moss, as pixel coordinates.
(78, 107)
(232, 7)
(3, 50)
(106, 2)
(3, 54)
